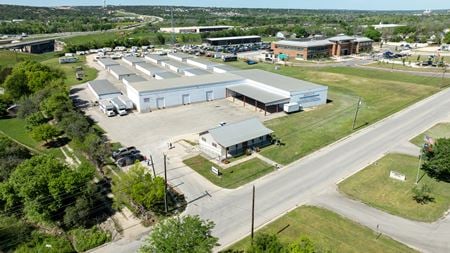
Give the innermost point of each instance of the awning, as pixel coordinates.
(260, 95)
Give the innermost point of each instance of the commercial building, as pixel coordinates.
(107, 62)
(103, 89)
(165, 75)
(127, 80)
(195, 72)
(335, 46)
(176, 66)
(233, 40)
(120, 72)
(234, 138)
(149, 69)
(156, 58)
(201, 63)
(182, 57)
(195, 29)
(132, 60)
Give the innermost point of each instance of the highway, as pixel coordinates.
(313, 178)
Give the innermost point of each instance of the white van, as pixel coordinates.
(107, 108)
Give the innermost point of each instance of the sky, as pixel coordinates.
(292, 4)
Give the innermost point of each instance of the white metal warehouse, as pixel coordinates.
(120, 72)
(103, 89)
(106, 62)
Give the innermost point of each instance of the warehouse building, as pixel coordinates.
(107, 62)
(195, 29)
(165, 75)
(195, 72)
(181, 57)
(127, 80)
(264, 90)
(103, 89)
(234, 138)
(156, 58)
(335, 46)
(222, 68)
(201, 63)
(132, 60)
(233, 40)
(120, 72)
(149, 69)
(176, 66)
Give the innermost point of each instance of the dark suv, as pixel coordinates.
(129, 159)
(121, 152)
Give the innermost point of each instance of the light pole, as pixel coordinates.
(420, 161)
(356, 113)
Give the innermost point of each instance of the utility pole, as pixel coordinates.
(166, 209)
(356, 114)
(253, 213)
(153, 166)
(420, 161)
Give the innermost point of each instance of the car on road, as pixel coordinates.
(123, 151)
(130, 159)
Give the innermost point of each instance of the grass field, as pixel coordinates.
(374, 187)
(329, 232)
(401, 67)
(441, 130)
(382, 93)
(9, 58)
(69, 70)
(232, 177)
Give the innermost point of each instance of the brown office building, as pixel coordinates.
(314, 49)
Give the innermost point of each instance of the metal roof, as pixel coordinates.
(258, 94)
(151, 67)
(183, 82)
(133, 59)
(226, 67)
(235, 38)
(197, 71)
(311, 43)
(103, 87)
(134, 79)
(166, 75)
(204, 62)
(239, 132)
(363, 39)
(179, 65)
(156, 57)
(341, 38)
(180, 55)
(121, 70)
(278, 81)
(108, 61)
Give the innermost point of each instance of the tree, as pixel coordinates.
(305, 245)
(373, 34)
(96, 148)
(438, 160)
(422, 194)
(139, 186)
(34, 120)
(4, 103)
(266, 243)
(11, 155)
(160, 39)
(446, 39)
(75, 125)
(57, 104)
(45, 132)
(16, 85)
(181, 235)
(13, 232)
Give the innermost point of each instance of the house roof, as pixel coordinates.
(120, 70)
(310, 43)
(103, 87)
(238, 132)
(257, 94)
(278, 81)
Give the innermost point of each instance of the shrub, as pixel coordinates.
(422, 194)
(85, 239)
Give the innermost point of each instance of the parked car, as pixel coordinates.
(129, 159)
(123, 151)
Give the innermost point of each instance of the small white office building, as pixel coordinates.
(234, 139)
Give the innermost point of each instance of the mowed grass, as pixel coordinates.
(69, 70)
(232, 177)
(441, 130)
(382, 94)
(390, 66)
(374, 187)
(329, 232)
(10, 58)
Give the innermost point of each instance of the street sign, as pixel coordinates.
(215, 171)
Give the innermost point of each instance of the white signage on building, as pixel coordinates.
(396, 175)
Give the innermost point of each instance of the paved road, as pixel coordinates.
(426, 237)
(306, 180)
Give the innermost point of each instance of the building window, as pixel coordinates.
(146, 100)
(214, 145)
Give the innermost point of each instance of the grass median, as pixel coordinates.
(441, 130)
(328, 230)
(232, 177)
(374, 187)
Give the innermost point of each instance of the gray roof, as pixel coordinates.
(157, 57)
(108, 61)
(238, 132)
(182, 82)
(278, 81)
(178, 65)
(204, 62)
(235, 37)
(258, 94)
(166, 75)
(121, 70)
(133, 59)
(151, 67)
(197, 71)
(341, 38)
(103, 87)
(311, 43)
(180, 55)
(134, 79)
(226, 67)
(363, 39)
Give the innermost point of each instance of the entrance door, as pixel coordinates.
(160, 103)
(209, 95)
(186, 99)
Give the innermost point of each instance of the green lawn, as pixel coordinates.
(69, 70)
(329, 231)
(441, 130)
(374, 187)
(9, 58)
(232, 177)
(401, 67)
